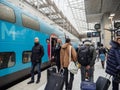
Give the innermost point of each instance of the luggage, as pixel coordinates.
(50, 70)
(86, 85)
(55, 81)
(102, 83)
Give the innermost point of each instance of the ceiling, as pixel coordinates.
(50, 10)
(95, 9)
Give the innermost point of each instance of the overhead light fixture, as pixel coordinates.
(112, 15)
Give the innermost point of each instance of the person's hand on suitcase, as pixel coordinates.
(88, 67)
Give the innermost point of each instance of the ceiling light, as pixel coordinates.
(112, 15)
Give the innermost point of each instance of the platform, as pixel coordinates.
(76, 84)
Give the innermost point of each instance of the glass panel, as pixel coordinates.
(7, 59)
(30, 22)
(7, 13)
(26, 56)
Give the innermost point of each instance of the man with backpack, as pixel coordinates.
(86, 57)
(37, 54)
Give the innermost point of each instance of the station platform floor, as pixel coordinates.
(76, 84)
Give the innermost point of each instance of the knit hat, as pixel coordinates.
(87, 43)
(36, 38)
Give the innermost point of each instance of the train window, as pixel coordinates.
(7, 13)
(30, 22)
(7, 59)
(26, 56)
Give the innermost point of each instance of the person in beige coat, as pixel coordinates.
(64, 61)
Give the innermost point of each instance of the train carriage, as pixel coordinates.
(17, 31)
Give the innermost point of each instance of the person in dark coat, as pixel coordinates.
(113, 62)
(87, 71)
(57, 53)
(37, 54)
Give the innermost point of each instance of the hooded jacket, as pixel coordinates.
(113, 59)
(64, 55)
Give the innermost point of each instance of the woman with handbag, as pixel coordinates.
(64, 61)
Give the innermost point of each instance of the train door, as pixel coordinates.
(53, 42)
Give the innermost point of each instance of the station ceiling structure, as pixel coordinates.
(95, 9)
(49, 9)
(79, 14)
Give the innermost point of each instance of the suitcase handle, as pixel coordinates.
(107, 75)
(61, 71)
(55, 68)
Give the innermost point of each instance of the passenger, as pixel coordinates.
(87, 57)
(97, 53)
(57, 53)
(113, 62)
(77, 48)
(54, 41)
(64, 60)
(37, 54)
(102, 55)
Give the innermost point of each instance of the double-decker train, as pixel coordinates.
(18, 28)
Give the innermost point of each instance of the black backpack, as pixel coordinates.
(84, 56)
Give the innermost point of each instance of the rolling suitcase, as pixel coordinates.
(86, 85)
(55, 81)
(51, 70)
(102, 83)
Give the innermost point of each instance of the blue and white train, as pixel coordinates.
(17, 31)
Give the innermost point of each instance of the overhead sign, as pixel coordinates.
(89, 34)
(95, 34)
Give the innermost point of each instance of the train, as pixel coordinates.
(18, 28)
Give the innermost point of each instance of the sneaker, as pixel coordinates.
(30, 82)
(37, 81)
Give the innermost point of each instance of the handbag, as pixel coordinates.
(72, 67)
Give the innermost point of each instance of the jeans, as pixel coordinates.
(34, 64)
(68, 85)
(115, 86)
(90, 73)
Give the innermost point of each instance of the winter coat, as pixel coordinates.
(37, 53)
(48, 48)
(64, 55)
(93, 55)
(57, 54)
(113, 66)
(102, 51)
